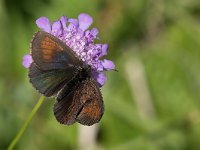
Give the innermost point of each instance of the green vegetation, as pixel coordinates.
(151, 103)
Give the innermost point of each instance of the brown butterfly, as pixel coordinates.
(57, 71)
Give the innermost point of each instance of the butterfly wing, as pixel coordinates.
(54, 63)
(49, 82)
(49, 52)
(83, 104)
(91, 98)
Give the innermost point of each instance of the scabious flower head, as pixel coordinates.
(75, 34)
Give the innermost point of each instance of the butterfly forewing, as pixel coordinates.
(84, 105)
(54, 64)
(50, 82)
(49, 52)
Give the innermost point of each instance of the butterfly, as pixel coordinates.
(57, 71)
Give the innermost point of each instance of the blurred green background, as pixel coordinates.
(151, 103)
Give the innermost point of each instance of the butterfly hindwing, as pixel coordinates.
(83, 104)
(49, 52)
(91, 98)
(51, 81)
(66, 109)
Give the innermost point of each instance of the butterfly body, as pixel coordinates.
(57, 71)
(81, 75)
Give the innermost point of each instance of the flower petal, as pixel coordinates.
(56, 28)
(27, 60)
(64, 20)
(90, 35)
(94, 32)
(73, 24)
(108, 64)
(100, 66)
(100, 78)
(104, 50)
(85, 21)
(44, 24)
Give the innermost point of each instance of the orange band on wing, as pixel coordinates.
(48, 47)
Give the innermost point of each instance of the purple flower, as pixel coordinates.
(76, 35)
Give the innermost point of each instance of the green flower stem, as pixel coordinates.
(26, 124)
